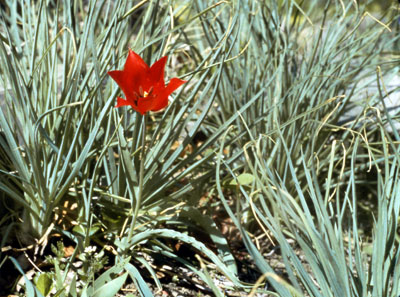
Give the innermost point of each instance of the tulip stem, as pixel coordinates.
(141, 177)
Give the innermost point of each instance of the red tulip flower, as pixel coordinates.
(144, 86)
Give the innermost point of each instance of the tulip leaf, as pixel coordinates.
(138, 279)
(112, 287)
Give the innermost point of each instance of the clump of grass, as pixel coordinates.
(72, 161)
(304, 165)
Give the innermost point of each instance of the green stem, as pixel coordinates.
(141, 177)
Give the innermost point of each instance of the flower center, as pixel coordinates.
(142, 94)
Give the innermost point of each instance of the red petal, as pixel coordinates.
(133, 75)
(122, 102)
(124, 82)
(174, 83)
(134, 63)
(161, 101)
(157, 71)
(144, 105)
